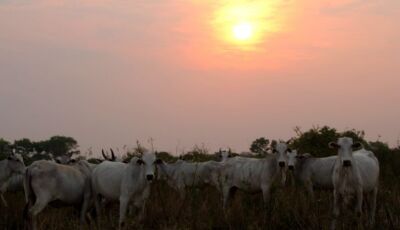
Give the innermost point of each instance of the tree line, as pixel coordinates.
(314, 141)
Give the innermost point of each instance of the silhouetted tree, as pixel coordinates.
(260, 145)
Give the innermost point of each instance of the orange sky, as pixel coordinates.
(110, 72)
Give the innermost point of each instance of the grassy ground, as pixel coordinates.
(289, 208)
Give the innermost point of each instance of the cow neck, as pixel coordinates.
(170, 169)
(302, 164)
(274, 169)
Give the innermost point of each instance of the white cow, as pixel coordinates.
(253, 175)
(124, 182)
(355, 174)
(224, 155)
(47, 181)
(312, 172)
(11, 171)
(182, 174)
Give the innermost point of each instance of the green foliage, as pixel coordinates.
(198, 154)
(315, 141)
(260, 145)
(59, 145)
(165, 156)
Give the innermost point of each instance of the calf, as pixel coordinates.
(355, 173)
(47, 181)
(124, 182)
(312, 172)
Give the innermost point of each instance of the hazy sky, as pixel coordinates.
(111, 72)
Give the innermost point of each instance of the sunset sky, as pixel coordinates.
(186, 72)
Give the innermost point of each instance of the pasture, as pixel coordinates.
(290, 208)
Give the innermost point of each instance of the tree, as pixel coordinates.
(260, 145)
(4, 148)
(315, 141)
(25, 144)
(57, 145)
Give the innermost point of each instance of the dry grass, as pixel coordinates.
(289, 208)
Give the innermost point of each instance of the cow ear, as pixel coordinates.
(274, 150)
(139, 161)
(289, 150)
(333, 145)
(159, 161)
(356, 145)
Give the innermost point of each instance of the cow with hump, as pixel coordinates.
(312, 172)
(355, 174)
(253, 175)
(47, 181)
(125, 182)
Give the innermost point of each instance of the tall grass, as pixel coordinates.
(289, 208)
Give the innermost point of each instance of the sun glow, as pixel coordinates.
(244, 24)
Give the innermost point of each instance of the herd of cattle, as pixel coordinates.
(350, 173)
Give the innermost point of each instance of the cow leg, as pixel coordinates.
(266, 191)
(266, 194)
(4, 200)
(372, 205)
(140, 202)
(226, 194)
(123, 205)
(359, 202)
(40, 204)
(310, 190)
(336, 208)
(84, 208)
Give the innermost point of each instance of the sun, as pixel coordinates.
(242, 31)
(244, 24)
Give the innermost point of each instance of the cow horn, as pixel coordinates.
(112, 155)
(104, 155)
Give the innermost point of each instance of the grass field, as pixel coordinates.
(290, 208)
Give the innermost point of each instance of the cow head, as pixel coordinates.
(15, 163)
(345, 147)
(223, 155)
(292, 159)
(148, 162)
(281, 151)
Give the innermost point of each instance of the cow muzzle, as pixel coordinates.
(346, 163)
(149, 177)
(281, 164)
